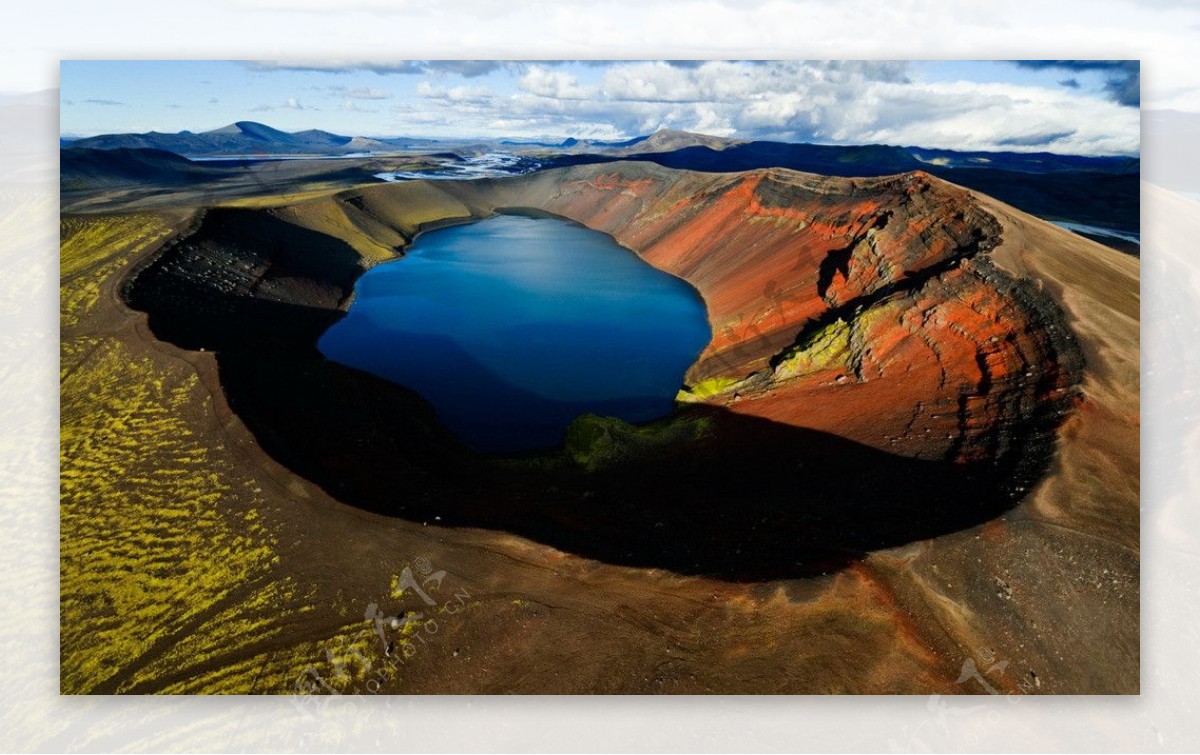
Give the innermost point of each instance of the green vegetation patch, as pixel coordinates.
(596, 442)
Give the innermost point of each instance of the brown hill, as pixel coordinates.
(667, 140)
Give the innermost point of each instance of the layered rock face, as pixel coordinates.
(867, 308)
(771, 250)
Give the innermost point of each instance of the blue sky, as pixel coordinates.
(1080, 107)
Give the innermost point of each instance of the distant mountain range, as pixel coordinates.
(1100, 191)
(246, 139)
(249, 139)
(719, 155)
(679, 149)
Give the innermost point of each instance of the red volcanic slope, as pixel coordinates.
(935, 353)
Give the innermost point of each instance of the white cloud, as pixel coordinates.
(559, 85)
(817, 101)
(649, 82)
(833, 102)
(709, 121)
(963, 115)
(459, 94)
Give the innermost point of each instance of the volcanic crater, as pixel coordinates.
(874, 377)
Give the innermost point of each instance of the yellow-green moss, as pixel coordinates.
(826, 348)
(706, 389)
(92, 249)
(159, 539)
(169, 575)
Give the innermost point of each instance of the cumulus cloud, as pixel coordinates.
(737, 81)
(837, 102)
(1126, 90)
(964, 115)
(543, 82)
(459, 94)
(827, 102)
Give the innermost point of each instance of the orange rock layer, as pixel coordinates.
(944, 356)
(866, 308)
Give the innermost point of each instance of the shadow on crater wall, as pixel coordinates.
(746, 499)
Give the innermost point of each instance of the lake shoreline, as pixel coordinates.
(523, 320)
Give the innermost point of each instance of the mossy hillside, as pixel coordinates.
(93, 248)
(411, 206)
(168, 573)
(373, 240)
(299, 195)
(376, 222)
(159, 539)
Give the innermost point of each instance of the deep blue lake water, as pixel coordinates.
(513, 326)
